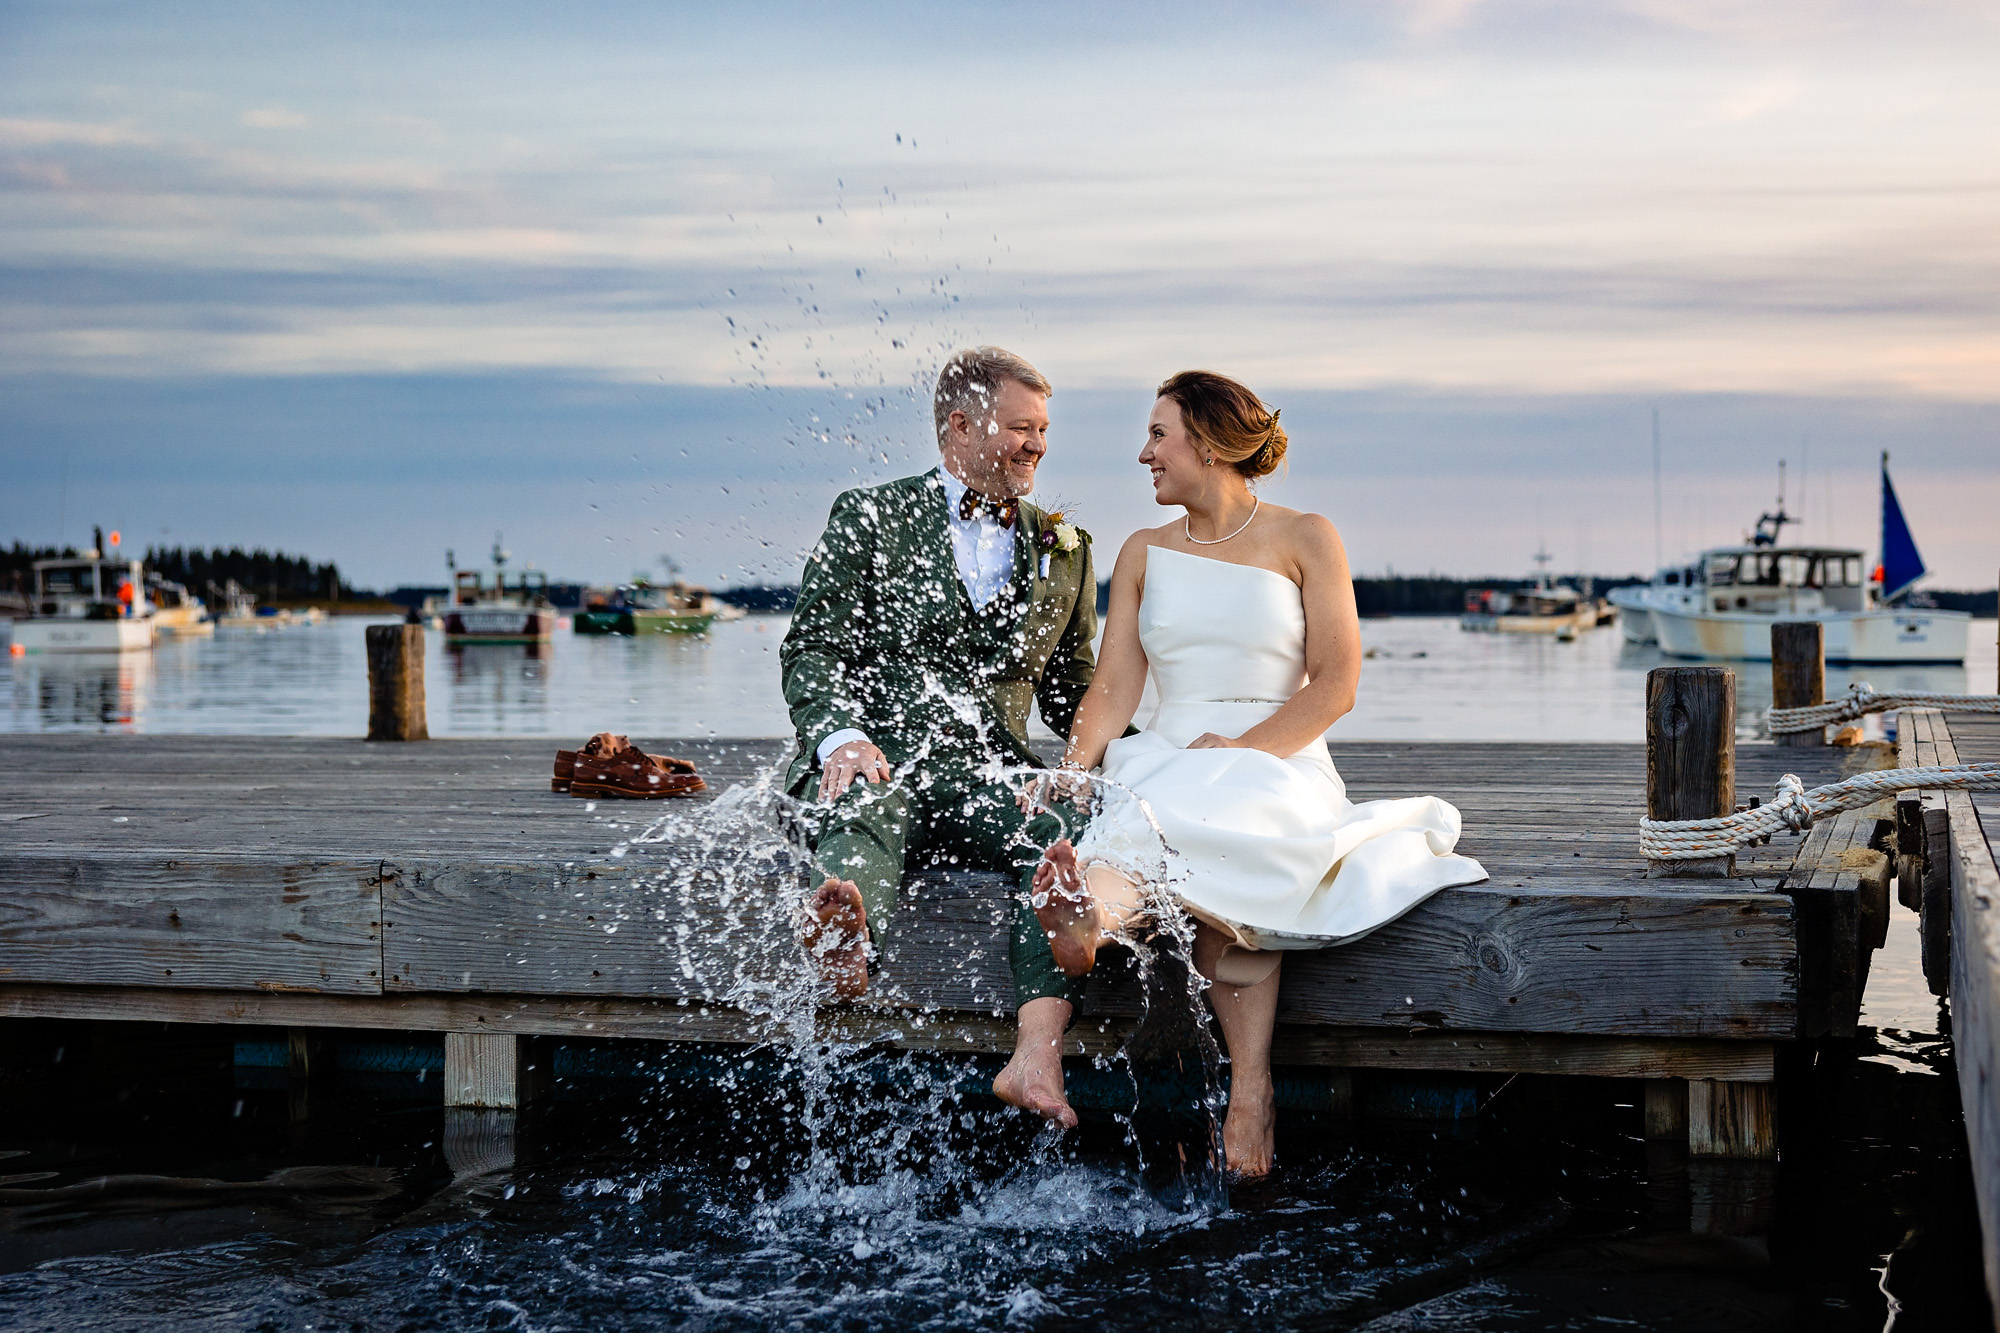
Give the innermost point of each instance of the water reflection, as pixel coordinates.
(94, 692)
(501, 687)
(1423, 679)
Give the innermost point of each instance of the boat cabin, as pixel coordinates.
(90, 588)
(1789, 580)
(530, 586)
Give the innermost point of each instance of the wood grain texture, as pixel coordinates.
(396, 707)
(1665, 1109)
(251, 923)
(1975, 998)
(1798, 675)
(496, 885)
(482, 1069)
(1924, 739)
(1690, 756)
(1732, 1119)
(653, 1020)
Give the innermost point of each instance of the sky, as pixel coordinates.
(642, 283)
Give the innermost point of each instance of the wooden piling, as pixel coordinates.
(492, 1070)
(1731, 1119)
(1690, 756)
(396, 710)
(1798, 674)
(1665, 1108)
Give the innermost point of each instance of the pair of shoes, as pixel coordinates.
(610, 765)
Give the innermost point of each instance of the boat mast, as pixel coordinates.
(1659, 541)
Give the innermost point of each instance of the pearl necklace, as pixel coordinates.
(1188, 524)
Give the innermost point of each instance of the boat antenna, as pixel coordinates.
(62, 502)
(500, 553)
(1659, 541)
(1770, 525)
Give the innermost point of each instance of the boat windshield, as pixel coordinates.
(70, 581)
(1787, 569)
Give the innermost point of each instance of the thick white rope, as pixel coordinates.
(1795, 809)
(1861, 699)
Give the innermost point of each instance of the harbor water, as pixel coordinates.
(1422, 679)
(161, 1176)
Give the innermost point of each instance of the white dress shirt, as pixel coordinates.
(984, 554)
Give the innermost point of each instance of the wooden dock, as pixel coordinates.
(1948, 844)
(312, 883)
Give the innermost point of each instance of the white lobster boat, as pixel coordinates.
(87, 605)
(1724, 604)
(520, 613)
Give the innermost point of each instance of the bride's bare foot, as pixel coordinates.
(1033, 1078)
(1067, 910)
(1250, 1132)
(836, 937)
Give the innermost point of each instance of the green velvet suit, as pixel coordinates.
(886, 640)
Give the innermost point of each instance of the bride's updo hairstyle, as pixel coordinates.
(1228, 420)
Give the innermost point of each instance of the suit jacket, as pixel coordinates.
(885, 638)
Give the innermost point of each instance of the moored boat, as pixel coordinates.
(644, 607)
(1724, 604)
(1547, 608)
(502, 612)
(86, 605)
(177, 612)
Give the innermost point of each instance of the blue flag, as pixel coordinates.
(1901, 565)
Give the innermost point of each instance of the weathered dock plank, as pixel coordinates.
(130, 918)
(1975, 972)
(486, 884)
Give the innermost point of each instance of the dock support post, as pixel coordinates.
(1732, 1119)
(1666, 1109)
(493, 1070)
(396, 710)
(1690, 757)
(301, 1055)
(1798, 674)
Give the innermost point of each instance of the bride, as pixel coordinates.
(1244, 613)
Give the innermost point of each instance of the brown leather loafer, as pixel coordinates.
(606, 747)
(633, 774)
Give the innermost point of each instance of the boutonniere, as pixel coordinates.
(1058, 534)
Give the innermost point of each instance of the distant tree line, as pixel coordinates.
(270, 575)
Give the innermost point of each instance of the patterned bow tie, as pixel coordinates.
(1003, 511)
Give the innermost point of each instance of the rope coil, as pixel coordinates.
(1794, 809)
(1861, 699)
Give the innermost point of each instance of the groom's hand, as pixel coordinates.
(856, 759)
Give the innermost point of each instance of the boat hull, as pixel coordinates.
(1911, 636)
(618, 621)
(478, 624)
(671, 622)
(1482, 622)
(1635, 619)
(63, 634)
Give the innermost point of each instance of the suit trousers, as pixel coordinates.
(926, 819)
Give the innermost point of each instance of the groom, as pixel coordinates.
(932, 611)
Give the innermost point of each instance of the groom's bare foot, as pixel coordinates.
(1067, 910)
(1250, 1132)
(836, 937)
(1033, 1078)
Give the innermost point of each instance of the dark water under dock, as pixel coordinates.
(642, 1199)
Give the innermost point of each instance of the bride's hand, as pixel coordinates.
(1208, 740)
(1052, 785)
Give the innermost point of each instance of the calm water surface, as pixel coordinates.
(1423, 679)
(154, 1176)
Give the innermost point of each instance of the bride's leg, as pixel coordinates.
(1246, 1015)
(1082, 906)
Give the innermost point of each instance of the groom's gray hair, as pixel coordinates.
(970, 381)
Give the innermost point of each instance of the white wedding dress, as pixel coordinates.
(1269, 849)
